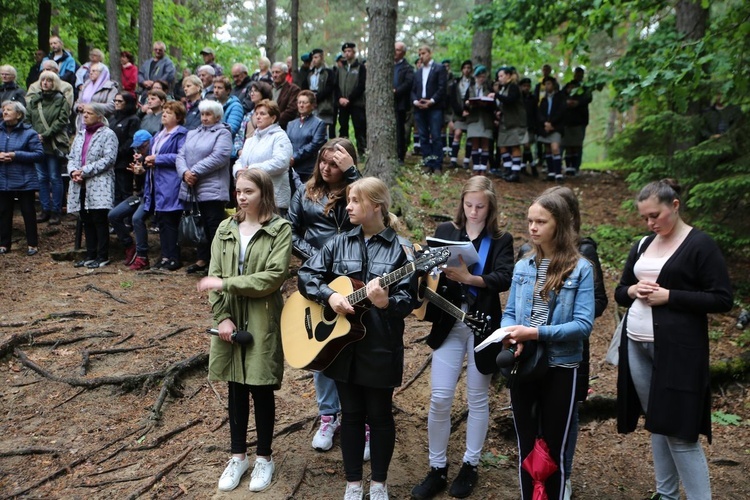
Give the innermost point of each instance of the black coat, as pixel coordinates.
(679, 402)
(437, 82)
(497, 275)
(125, 126)
(403, 78)
(554, 115)
(378, 359)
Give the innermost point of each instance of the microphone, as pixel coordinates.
(240, 336)
(506, 357)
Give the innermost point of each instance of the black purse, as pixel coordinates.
(531, 365)
(191, 230)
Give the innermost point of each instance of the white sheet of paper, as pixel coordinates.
(463, 248)
(494, 337)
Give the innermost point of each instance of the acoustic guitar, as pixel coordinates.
(428, 293)
(312, 334)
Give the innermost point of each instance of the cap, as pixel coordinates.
(140, 138)
(305, 57)
(445, 61)
(523, 81)
(348, 45)
(315, 51)
(479, 69)
(207, 50)
(339, 56)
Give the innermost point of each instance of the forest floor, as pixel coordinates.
(81, 424)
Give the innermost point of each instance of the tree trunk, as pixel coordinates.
(145, 31)
(43, 24)
(381, 129)
(691, 20)
(271, 30)
(295, 36)
(113, 41)
(83, 48)
(481, 42)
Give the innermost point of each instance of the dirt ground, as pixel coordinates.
(74, 433)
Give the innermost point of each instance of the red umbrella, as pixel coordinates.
(540, 465)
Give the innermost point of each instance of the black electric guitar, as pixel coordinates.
(427, 293)
(312, 334)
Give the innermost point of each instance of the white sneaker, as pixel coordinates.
(354, 491)
(323, 439)
(568, 490)
(378, 491)
(366, 455)
(231, 476)
(262, 474)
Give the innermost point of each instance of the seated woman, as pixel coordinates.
(91, 166)
(203, 166)
(20, 148)
(269, 149)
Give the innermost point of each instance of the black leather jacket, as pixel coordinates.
(378, 359)
(311, 228)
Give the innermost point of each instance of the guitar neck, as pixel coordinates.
(444, 304)
(361, 294)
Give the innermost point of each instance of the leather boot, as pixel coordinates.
(42, 216)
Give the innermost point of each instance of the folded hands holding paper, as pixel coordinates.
(510, 336)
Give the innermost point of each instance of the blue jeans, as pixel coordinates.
(675, 459)
(50, 183)
(430, 125)
(326, 394)
(131, 207)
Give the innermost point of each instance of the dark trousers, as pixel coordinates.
(123, 185)
(430, 124)
(7, 201)
(359, 120)
(544, 405)
(96, 230)
(401, 134)
(264, 407)
(212, 213)
(169, 222)
(360, 405)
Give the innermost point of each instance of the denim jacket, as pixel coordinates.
(571, 311)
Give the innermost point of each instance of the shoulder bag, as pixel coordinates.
(191, 230)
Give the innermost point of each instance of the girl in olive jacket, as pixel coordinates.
(249, 262)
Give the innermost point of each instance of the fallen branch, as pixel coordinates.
(165, 437)
(107, 471)
(13, 324)
(221, 402)
(157, 477)
(104, 292)
(24, 384)
(290, 496)
(86, 275)
(127, 337)
(111, 481)
(71, 397)
(67, 314)
(221, 424)
(29, 451)
(420, 339)
(415, 376)
(29, 337)
(128, 381)
(55, 343)
(88, 353)
(167, 335)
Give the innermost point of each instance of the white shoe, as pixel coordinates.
(323, 439)
(378, 491)
(231, 476)
(366, 454)
(354, 491)
(568, 490)
(262, 474)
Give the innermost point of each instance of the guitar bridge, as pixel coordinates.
(308, 323)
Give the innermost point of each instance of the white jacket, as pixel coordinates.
(270, 150)
(98, 171)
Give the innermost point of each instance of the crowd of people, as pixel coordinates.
(265, 143)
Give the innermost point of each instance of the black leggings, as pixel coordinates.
(360, 405)
(26, 200)
(239, 414)
(96, 229)
(544, 405)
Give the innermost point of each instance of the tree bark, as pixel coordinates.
(691, 20)
(145, 30)
(295, 36)
(43, 24)
(113, 41)
(481, 42)
(381, 126)
(271, 30)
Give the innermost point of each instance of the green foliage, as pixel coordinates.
(613, 243)
(493, 459)
(721, 418)
(715, 334)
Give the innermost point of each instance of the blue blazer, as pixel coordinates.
(436, 82)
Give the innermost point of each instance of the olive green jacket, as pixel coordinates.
(252, 300)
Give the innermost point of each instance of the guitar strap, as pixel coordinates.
(476, 270)
(407, 247)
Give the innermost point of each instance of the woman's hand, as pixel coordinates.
(340, 304)
(190, 178)
(642, 289)
(77, 176)
(377, 294)
(210, 283)
(226, 329)
(342, 159)
(149, 161)
(520, 333)
(459, 273)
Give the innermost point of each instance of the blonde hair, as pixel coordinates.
(51, 76)
(376, 193)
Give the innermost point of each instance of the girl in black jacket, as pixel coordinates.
(367, 371)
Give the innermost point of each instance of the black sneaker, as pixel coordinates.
(464, 483)
(434, 483)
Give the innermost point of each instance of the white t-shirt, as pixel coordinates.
(640, 317)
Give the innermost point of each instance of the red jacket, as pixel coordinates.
(130, 78)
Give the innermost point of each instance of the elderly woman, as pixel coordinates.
(49, 114)
(307, 135)
(192, 87)
(91, 166)
(203, 165)
(258, 92)
(98, 89)
(20, 148)
(263, 74)
(269, 149)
